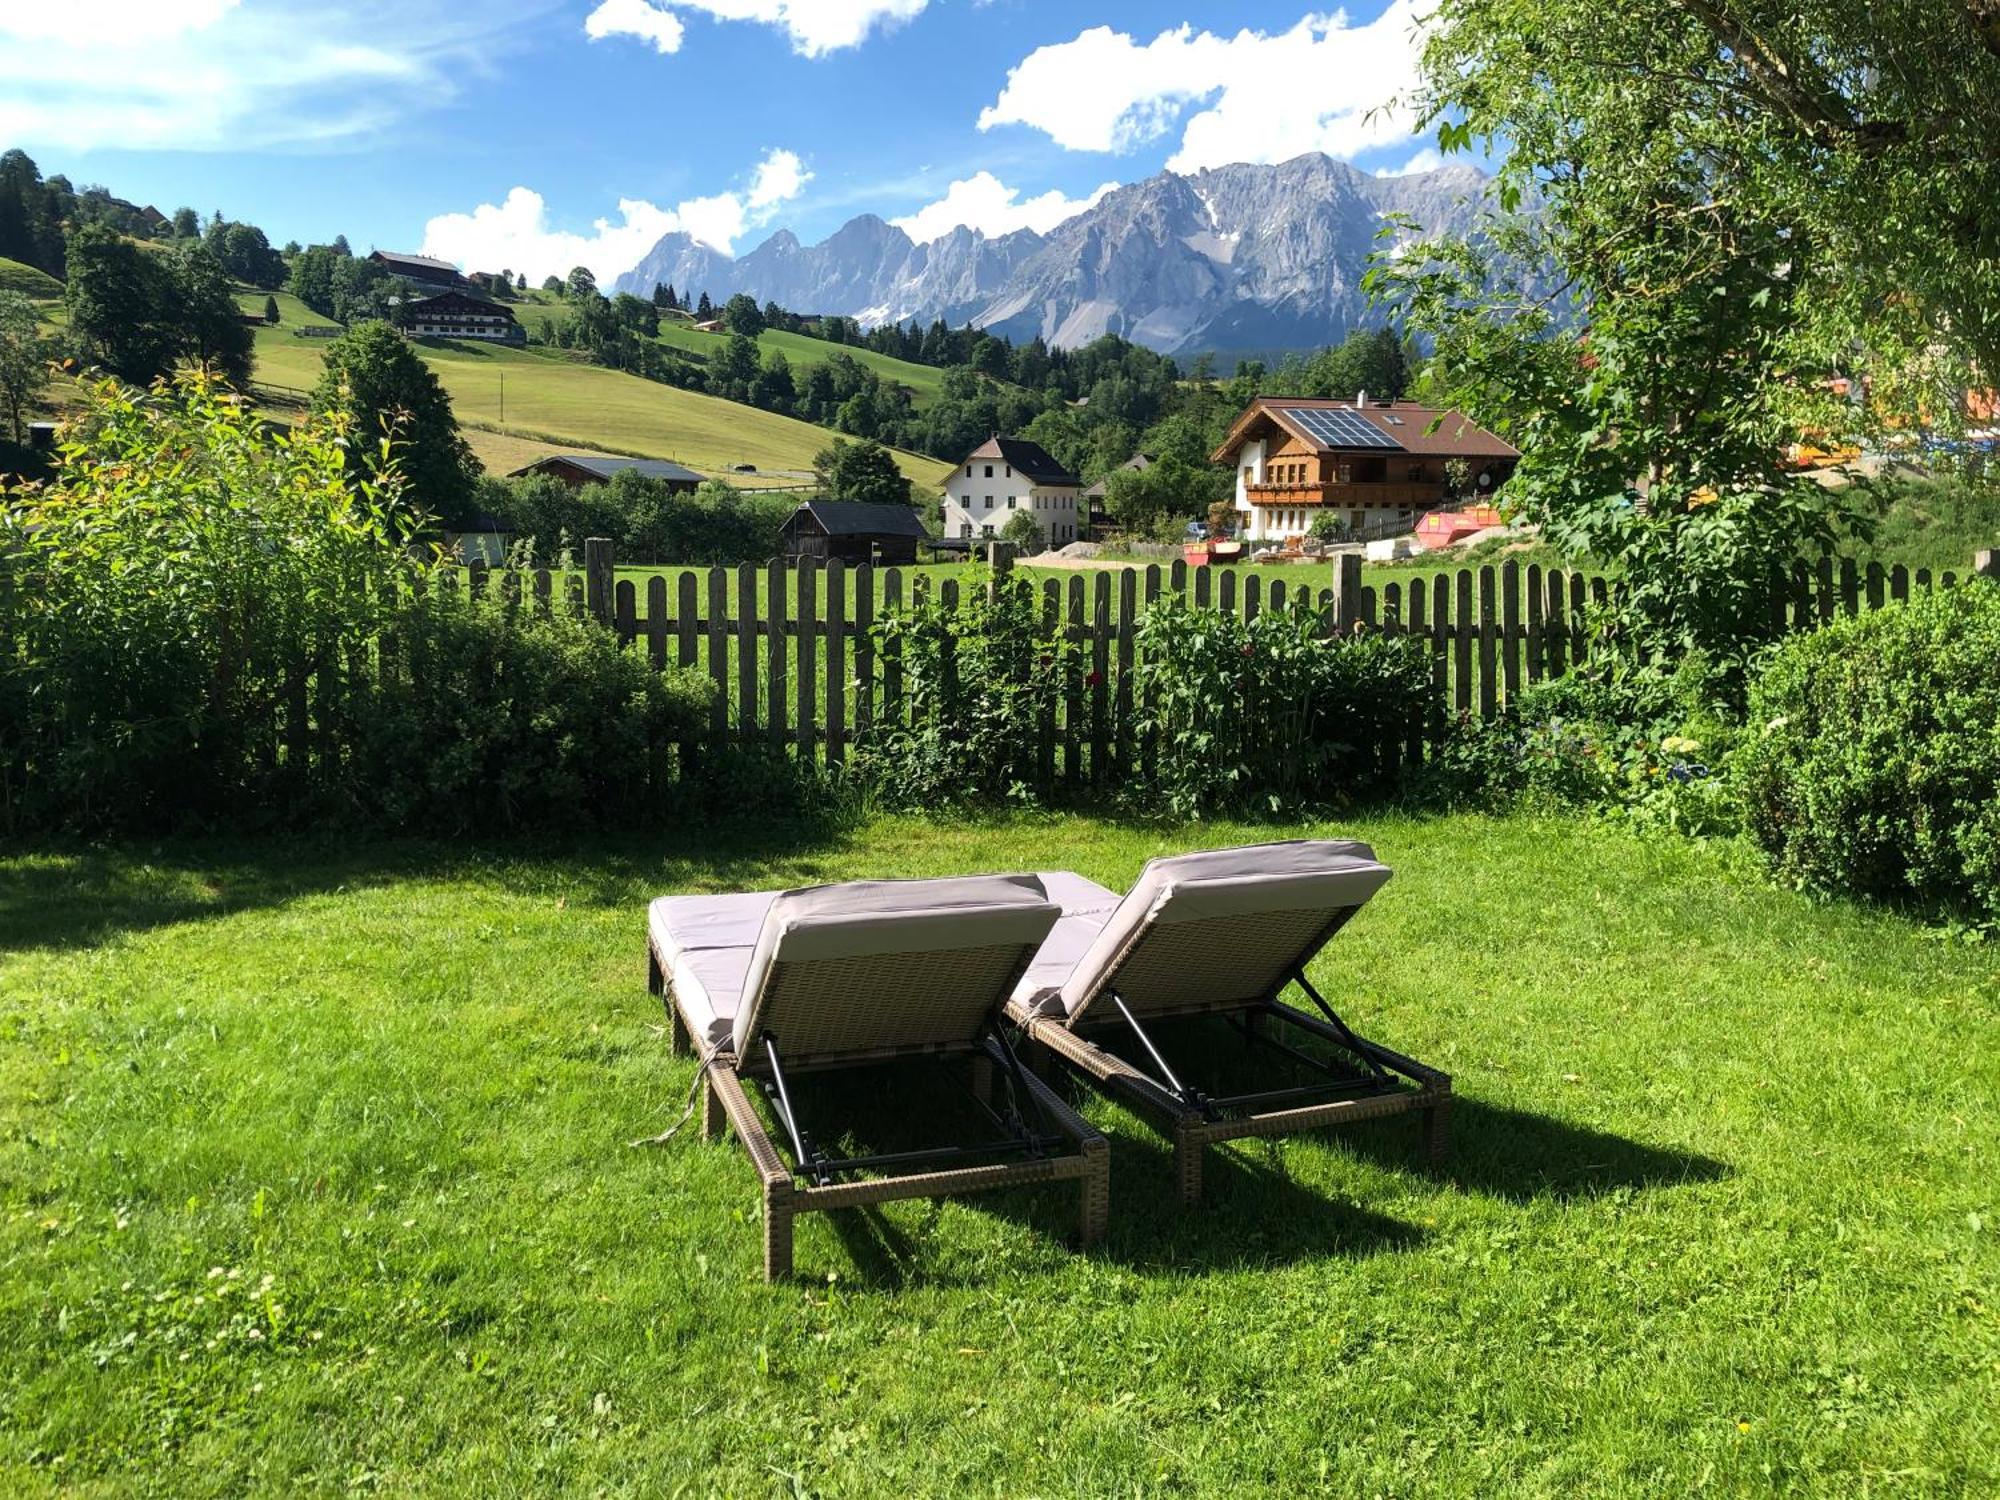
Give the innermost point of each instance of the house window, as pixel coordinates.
(987, 529)
(1010, 471)
(968, 471)
(989, 471)
(989, 502)
(1416, 473)
(1010, 501)
(965, 528)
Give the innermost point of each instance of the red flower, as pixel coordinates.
(1092, 679)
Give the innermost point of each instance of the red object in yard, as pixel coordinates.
(1196, 554)
(1442, 528)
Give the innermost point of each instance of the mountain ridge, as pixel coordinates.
(1228, 258)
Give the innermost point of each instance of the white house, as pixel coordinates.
(1005, 475)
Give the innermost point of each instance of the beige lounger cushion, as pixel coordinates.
(704, 944)
(1086, 906)
(889, 964)
(1215, 928)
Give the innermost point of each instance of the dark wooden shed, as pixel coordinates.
(852, 532)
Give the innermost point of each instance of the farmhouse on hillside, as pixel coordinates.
(421, 271)
(820, 530)
(453, 315)
(1004, 475)
(1377, 465)
(578, 469)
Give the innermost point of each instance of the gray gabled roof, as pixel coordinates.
(856, 518)
(415, 262)
(1032, 459)
(604, 467)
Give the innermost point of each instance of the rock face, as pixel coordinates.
(1234, 259)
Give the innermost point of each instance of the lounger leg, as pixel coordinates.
(778, 1232)
(1437, 1132)
(1096, 1188)
(1189, 1147)
(713, 1120)
(679, 1042)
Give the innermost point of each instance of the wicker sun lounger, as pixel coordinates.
(772, 985)
(1219, 935)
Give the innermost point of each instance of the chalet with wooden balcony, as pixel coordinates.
(1377, 465)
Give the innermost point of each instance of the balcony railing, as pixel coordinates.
(1391, 493)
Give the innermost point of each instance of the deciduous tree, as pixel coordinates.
(24, 360)
(372, 372)
(863, 471)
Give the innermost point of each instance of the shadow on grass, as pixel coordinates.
(1525, 1157)
(59, 897)
(1256, 1215)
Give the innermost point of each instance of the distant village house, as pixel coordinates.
(453, 315)
(1006, 475)
(578, 469)
(820, 530)
(421, 271)
(1378, 466)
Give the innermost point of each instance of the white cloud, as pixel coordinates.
(985, 203)
(1324, 85)
(816, 27)
(214, 74)
(1426, 160)
(515, 234)
(638, 19)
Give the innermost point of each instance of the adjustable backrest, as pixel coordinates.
(887, 966)
(1223, 927)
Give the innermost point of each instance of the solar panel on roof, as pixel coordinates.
(1338, 427)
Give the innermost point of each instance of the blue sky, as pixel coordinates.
(537, 133)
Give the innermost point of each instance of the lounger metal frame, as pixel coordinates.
(1043, 1139)
(1386, 1083)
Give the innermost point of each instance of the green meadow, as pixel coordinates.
(314, 1179)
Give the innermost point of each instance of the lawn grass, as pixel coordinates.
(315, 1180)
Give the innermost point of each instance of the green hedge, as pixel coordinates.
(206, 624)
(1871, 761)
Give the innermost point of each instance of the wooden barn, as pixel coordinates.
(852, 532)
(578, 469)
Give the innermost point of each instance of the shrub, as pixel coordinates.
(1871, 761)
(205, 623)
(1646, 744)
(1270, 713)
(530, 722)
(979, 674)
(1022, 532)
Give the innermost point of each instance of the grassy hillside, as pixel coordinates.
(545, 396)
(15, 277)
(292, 312)
(803, 351)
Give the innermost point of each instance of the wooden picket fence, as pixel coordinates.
(790, 651)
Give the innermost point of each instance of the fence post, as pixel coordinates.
(1347, 607)
(1986, 563)
(598, 573)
